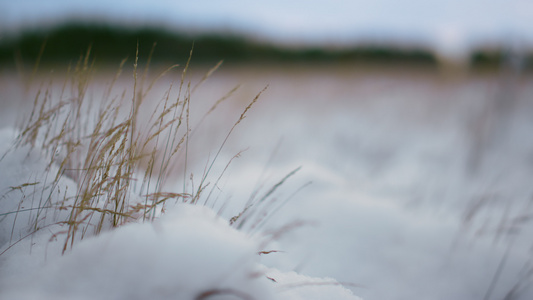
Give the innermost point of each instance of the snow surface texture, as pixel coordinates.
(421, 188)
(189, 253)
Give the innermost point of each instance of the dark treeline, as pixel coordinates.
(68, 42)
(111, 43)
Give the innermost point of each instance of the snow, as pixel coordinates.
(20, 167)
(420, 190)
(188, 253)
(181, 255)
(393, 204)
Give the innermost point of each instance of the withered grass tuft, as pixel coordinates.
(119, 165)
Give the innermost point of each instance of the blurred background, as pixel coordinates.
(463, 33)
(412, 119)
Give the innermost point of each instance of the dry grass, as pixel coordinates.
(120, 166)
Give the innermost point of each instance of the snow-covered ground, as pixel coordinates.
(420, 188)
(188, 253)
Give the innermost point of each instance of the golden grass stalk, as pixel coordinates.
(103, 149)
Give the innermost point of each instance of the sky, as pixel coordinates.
(451, 27)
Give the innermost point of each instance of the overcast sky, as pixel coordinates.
(451, 26)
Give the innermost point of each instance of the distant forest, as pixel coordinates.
(112, 43)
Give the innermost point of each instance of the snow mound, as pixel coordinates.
(189, 253)
(183, 255)
(294, 286)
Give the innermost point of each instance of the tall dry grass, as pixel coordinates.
(120, 165)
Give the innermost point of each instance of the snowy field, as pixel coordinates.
(412, 186)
